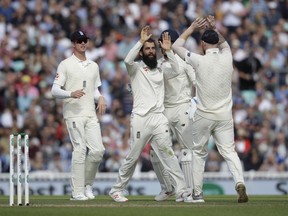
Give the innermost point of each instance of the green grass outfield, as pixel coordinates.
(145, 206)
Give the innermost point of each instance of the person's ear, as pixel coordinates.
(203, 44)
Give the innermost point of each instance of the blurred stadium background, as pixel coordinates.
(34, 37)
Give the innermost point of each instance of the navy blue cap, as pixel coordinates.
(77, 35)
(210, 36)
(173, 34)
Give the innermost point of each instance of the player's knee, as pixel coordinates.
(96, 156)
(185, 155)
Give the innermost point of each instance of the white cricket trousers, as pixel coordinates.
(223, 134)
(88, 150)
(178, 121)
(151, 127)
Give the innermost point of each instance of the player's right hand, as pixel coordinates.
(78, 93)
(145, 34)
(198, 23)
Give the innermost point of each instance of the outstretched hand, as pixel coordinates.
(145, 35)
(166, 41)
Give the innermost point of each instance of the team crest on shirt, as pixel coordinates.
(160, 70)
(57, 76)
(188, 54)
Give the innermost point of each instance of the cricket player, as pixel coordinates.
(77, 82)
(148, 123)
(214, 108)
(178, 108)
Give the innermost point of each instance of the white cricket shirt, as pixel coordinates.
(178, 87)
(147, 85)
(74, 74)
(213, 80)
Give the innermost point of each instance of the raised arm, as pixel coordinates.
(145, 34)
(222, 42)
(166, 45)
(133, 53)
(178, 45)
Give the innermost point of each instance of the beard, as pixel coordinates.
(150, 61)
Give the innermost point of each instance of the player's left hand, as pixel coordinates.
(210, 20)
(102, 105)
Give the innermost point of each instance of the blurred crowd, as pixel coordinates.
(34, 37)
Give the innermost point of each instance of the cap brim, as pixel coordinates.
(79, 38)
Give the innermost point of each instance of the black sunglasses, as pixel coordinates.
(80, 41)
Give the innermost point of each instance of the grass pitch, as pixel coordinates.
(223, 205)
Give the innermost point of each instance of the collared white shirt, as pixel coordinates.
(213, 79)
(147, 85)
(178, 87)
(74, 74)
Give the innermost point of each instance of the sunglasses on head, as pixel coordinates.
(79, 41)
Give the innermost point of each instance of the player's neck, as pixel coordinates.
(80, 56)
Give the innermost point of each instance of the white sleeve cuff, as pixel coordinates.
(57, 92)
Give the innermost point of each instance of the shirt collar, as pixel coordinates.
(84, 63)
(212, 51)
